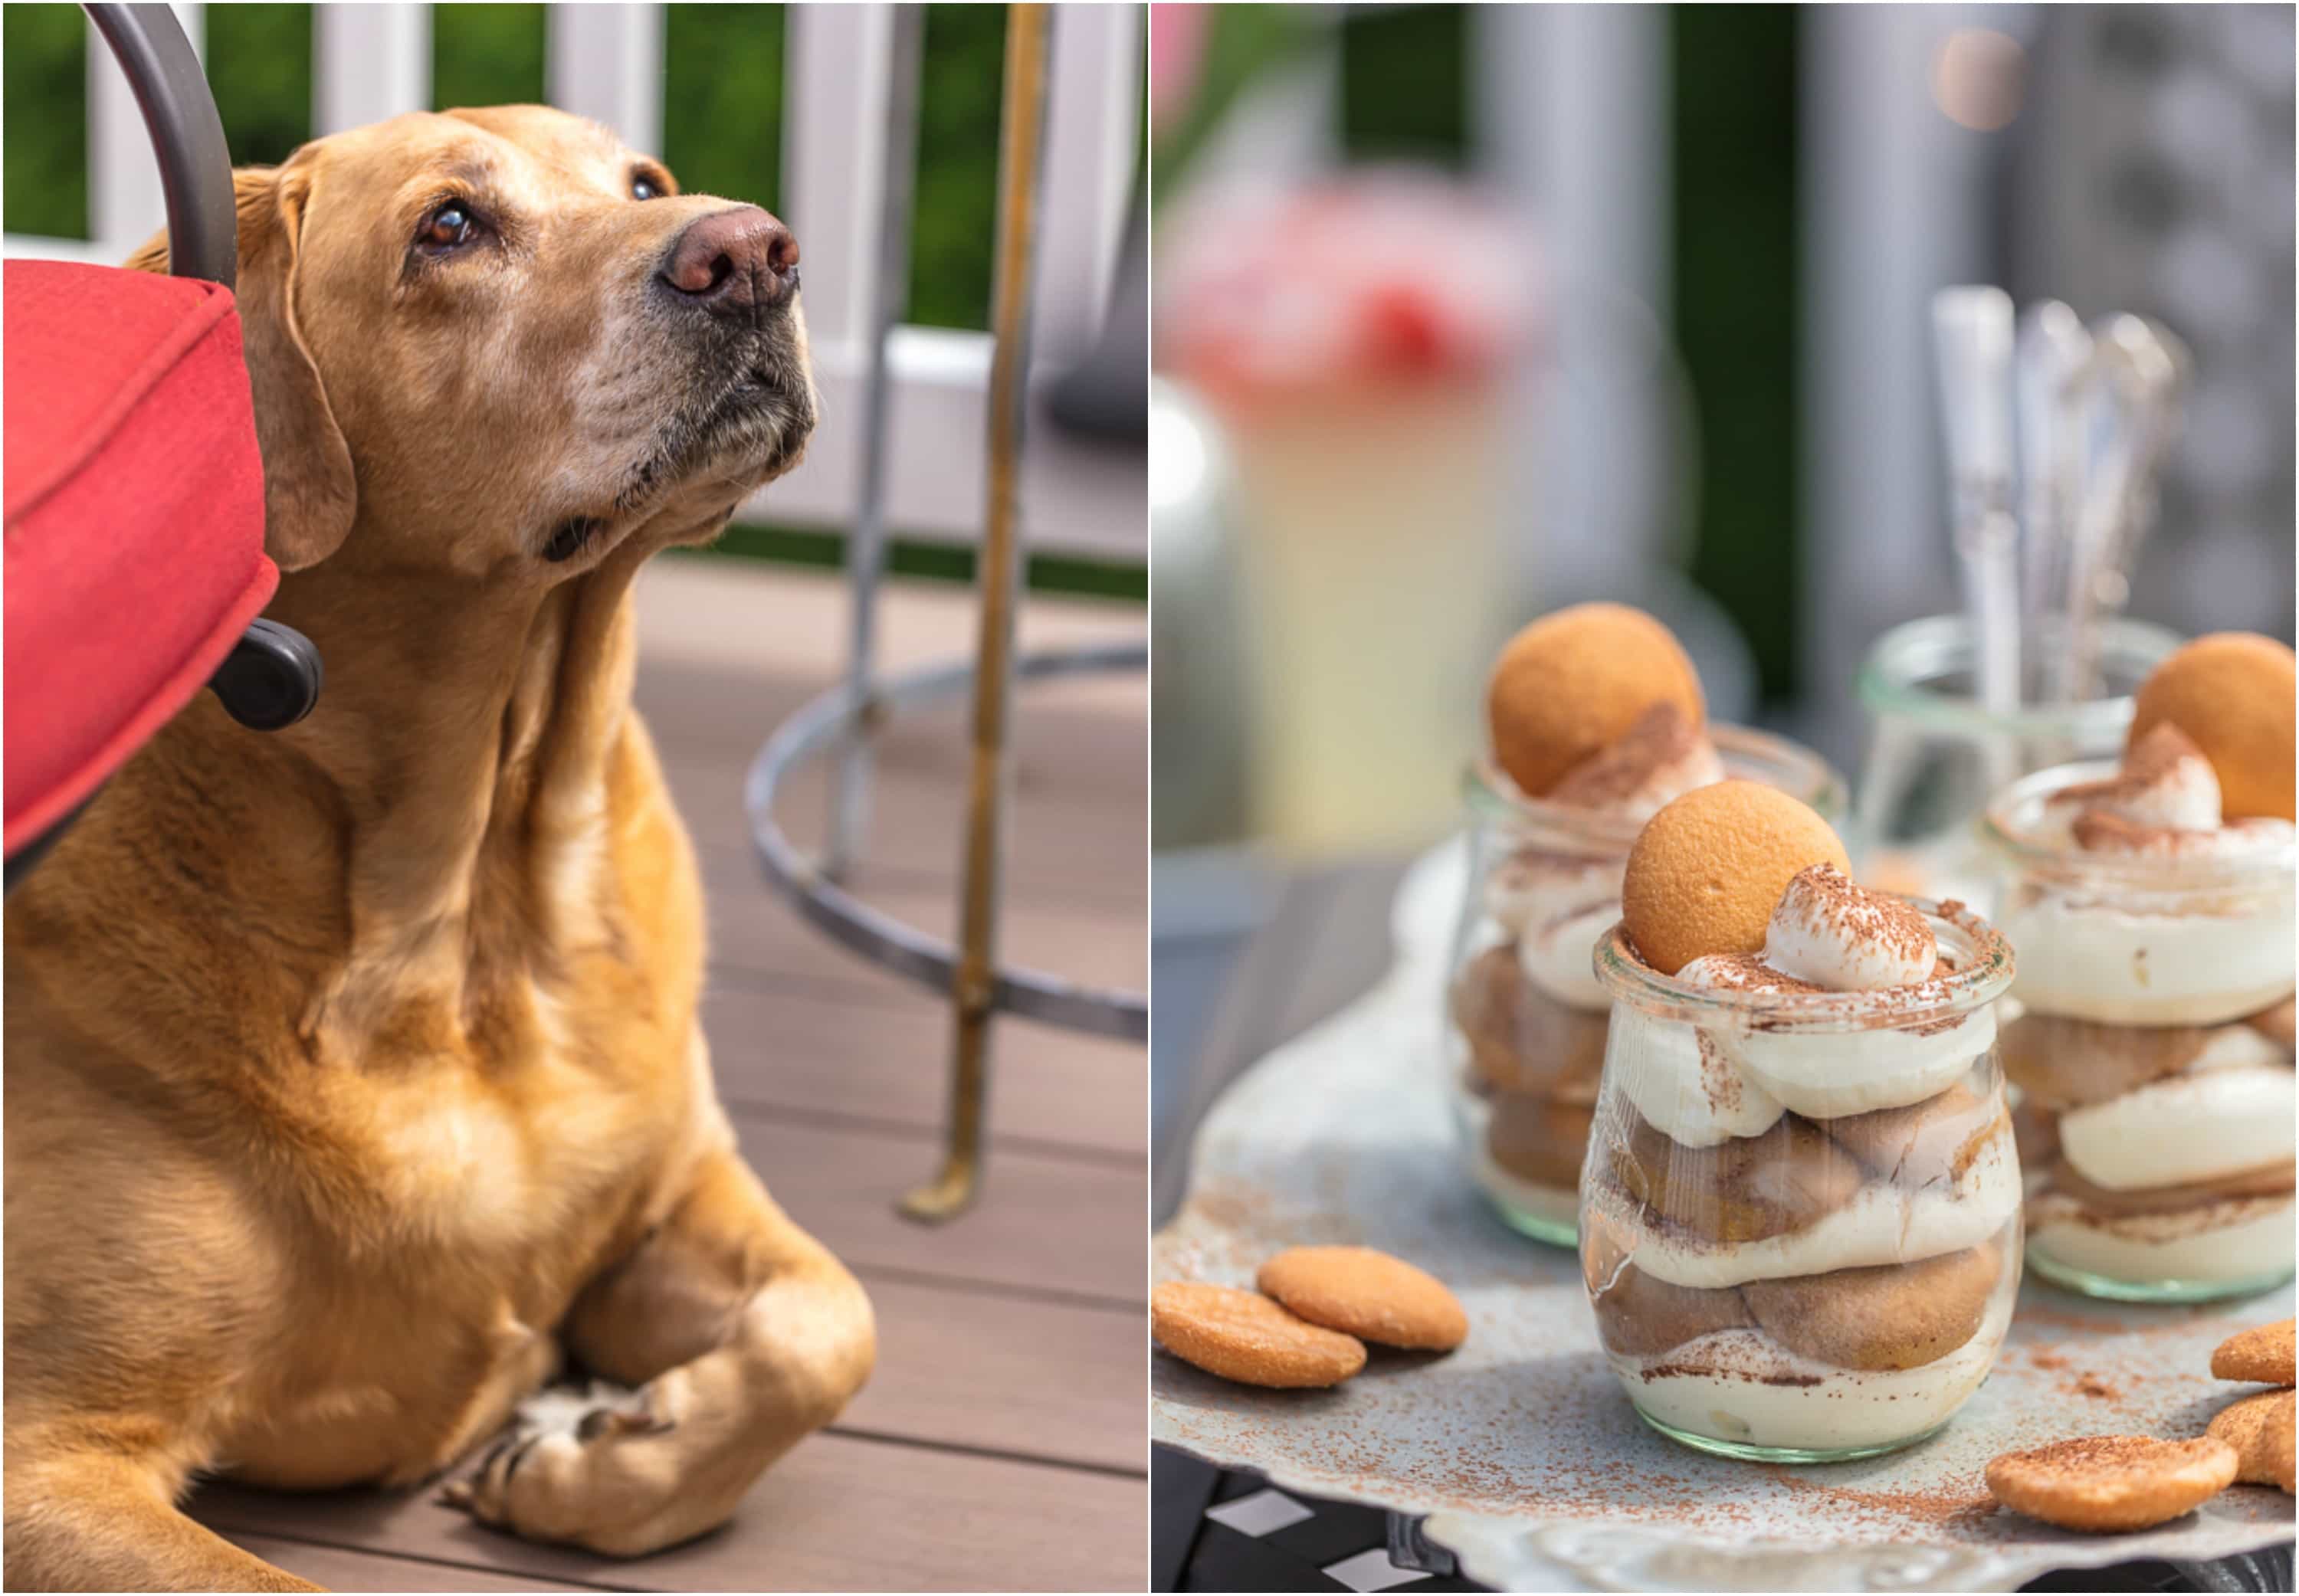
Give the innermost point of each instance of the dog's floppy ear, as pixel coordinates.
(309, 492)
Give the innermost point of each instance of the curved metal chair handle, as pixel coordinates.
(272, 677)
(170, 90)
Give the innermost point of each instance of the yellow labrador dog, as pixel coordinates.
(355, 1087)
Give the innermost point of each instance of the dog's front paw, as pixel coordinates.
(601, 1468)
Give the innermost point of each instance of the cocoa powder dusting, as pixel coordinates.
(1659, 736)
(1831, 902)
(1946, 1507)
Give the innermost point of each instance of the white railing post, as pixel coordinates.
(833, 151)
(370, 63)
(606, 63)
(1093, 131)
(124, 203)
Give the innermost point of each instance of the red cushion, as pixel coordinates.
(135, 519)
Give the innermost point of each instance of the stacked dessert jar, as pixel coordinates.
(1801, 1209)
(2151, 900)
(1596, 721)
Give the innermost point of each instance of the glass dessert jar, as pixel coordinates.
(1527, 1016)
(2151, 1058)
(1800, 1212)
(1935, 757)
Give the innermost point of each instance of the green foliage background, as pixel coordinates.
(722, 112)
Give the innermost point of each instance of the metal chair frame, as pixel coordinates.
(273, 675)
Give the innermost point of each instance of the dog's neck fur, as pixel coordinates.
(461, 749)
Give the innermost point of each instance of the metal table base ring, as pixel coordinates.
(880, 938)
(822, 723)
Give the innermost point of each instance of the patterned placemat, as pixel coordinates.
(1225, 1529)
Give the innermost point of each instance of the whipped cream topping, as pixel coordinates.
(2196, 1125)
(2123, 949)
(2163, 803)
(2165, 784)
(1661, 757)
(1836, 934)
(2097, 831)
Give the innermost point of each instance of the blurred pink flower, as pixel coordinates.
(1381, 274)
(1177, 50)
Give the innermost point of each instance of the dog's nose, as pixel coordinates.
(733, 260)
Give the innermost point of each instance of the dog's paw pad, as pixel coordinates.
(568, 1410)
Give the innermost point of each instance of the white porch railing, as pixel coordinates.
(605, 61)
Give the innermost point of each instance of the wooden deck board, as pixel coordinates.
(355, 1568)
(1001, 1443)
(810, 1049)
(839, 1513)
(1043, 1225)
(1046, 1368)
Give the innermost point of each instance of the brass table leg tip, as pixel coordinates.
(947, 1197)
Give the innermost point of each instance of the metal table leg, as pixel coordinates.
(1022, 140)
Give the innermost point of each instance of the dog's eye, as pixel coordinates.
(450, 226)
(643, 188)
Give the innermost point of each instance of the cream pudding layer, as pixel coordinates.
(1556, 958)
(1683, 1082)
(2230, 1113)
(1825, 1075)
(1741, 1386)
(2087, 960)
(1529, 892)
(1555, 905)
(2245, 1238)
(1702, 1087)
(1883, 1223)
(2187, 1129)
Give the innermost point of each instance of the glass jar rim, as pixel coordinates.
(1746, 754)
(1983, 972)
(2014, 839)
(1887, 693)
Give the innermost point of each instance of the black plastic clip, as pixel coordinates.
(271, 678)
